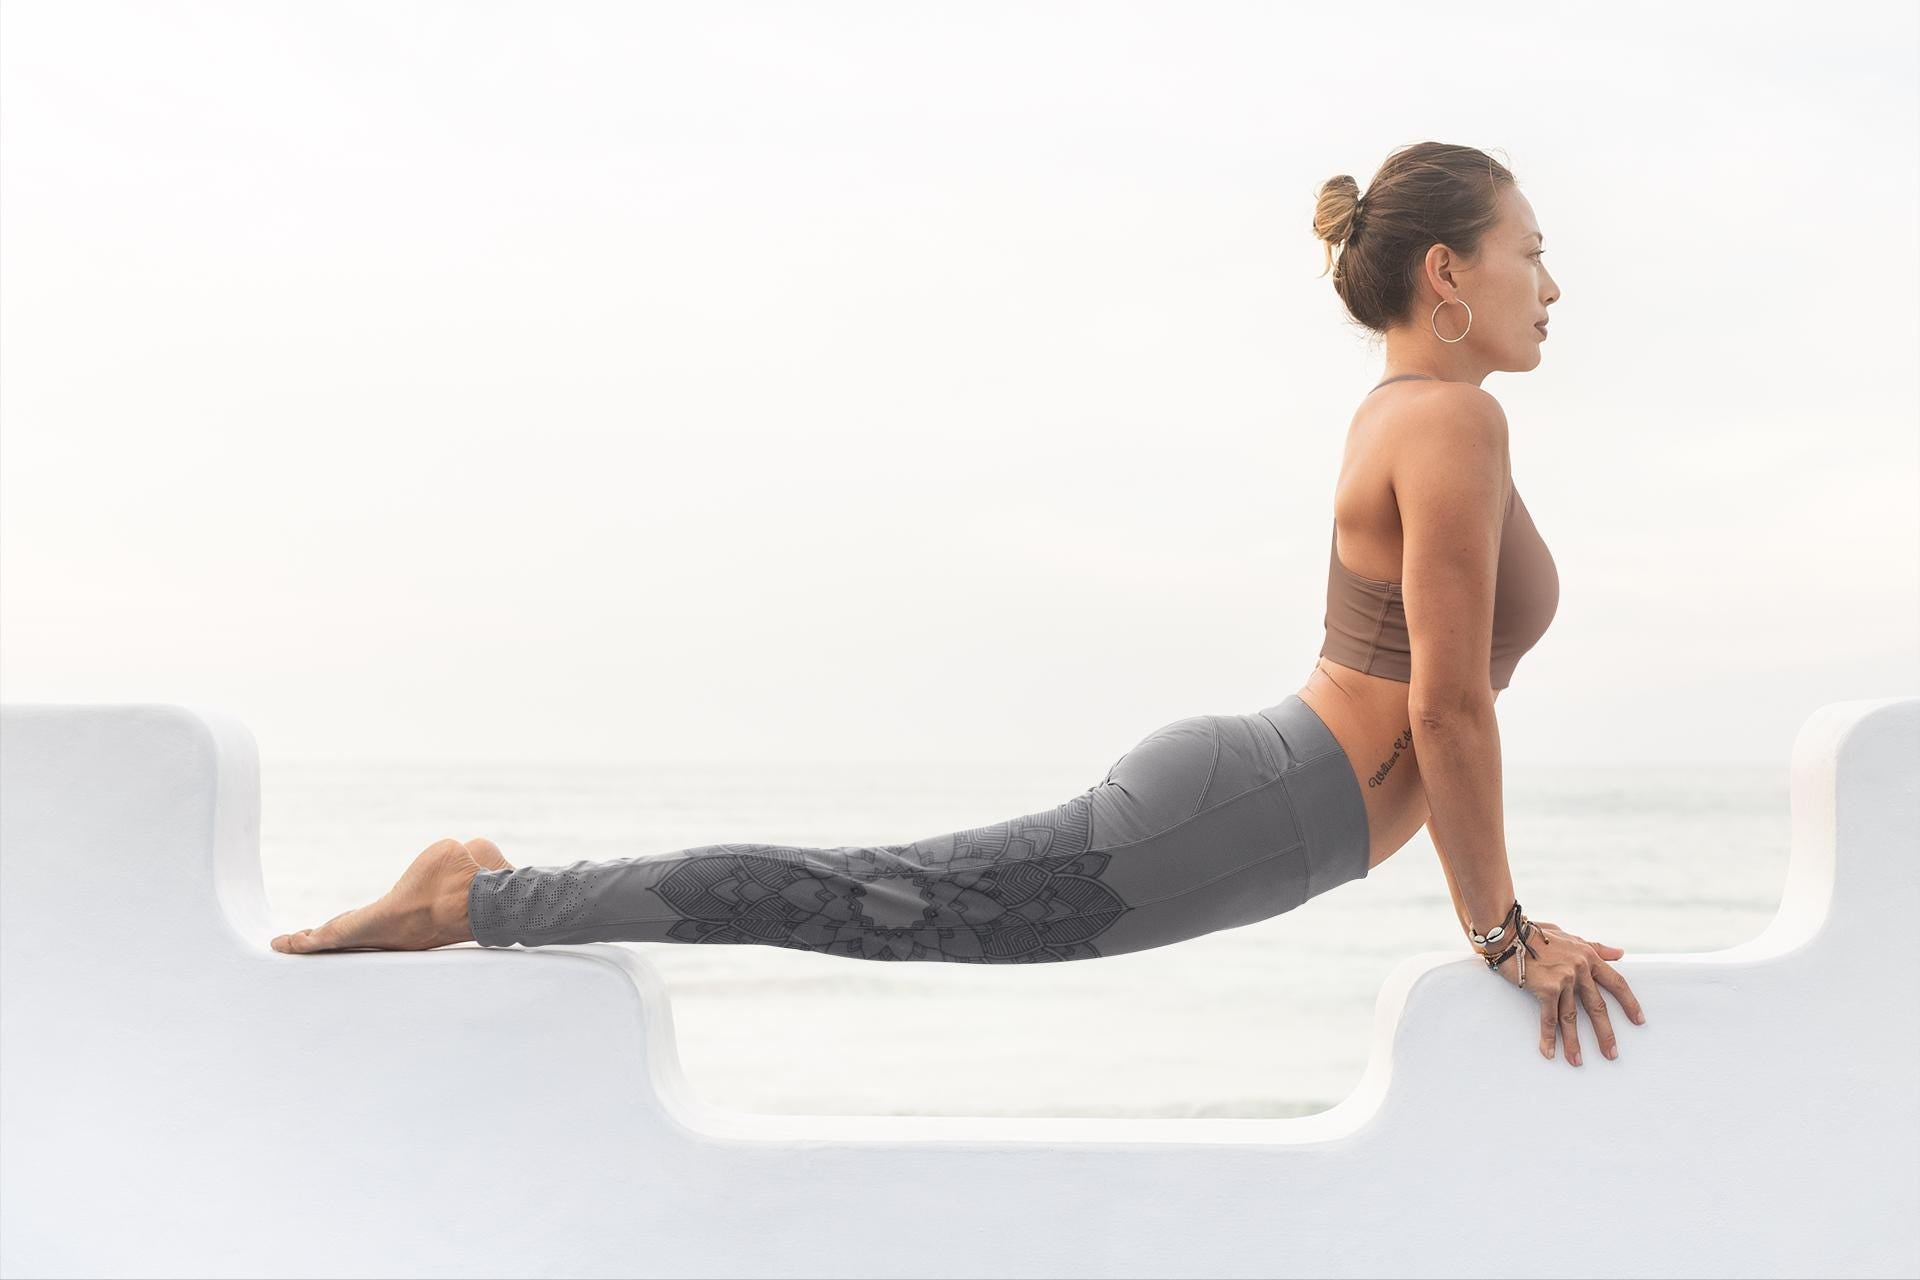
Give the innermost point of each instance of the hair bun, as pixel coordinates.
(1333, 214)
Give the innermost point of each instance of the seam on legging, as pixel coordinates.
(1281, 852)
(1194, 817)
(1324, 755)
(1212, 768)
(1279, 779)
(1296, 846)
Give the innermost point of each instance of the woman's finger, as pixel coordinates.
(1570, 1021)
(1549, 1024)
(1609, 977)
(1597, 1013)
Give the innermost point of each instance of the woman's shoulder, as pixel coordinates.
(1447, 434)
(1425, 414)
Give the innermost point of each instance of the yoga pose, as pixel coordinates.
(1438, 582)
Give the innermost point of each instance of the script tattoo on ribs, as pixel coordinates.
(1400, 744)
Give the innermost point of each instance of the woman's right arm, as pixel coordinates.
(1450, 481)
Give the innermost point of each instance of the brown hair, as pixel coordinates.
(1425, 194)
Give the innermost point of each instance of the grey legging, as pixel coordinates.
(1210, 822)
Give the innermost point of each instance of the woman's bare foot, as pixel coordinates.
(426, 908)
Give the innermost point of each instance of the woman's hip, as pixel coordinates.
(1209, 797)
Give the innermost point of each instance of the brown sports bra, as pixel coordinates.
(1366, 620)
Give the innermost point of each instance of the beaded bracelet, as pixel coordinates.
(1521, 945)
(1498, 931)
(1516, 927)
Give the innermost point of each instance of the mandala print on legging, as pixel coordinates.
(1028, 890)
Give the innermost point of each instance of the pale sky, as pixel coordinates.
(564, 382)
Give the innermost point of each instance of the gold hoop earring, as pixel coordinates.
(1436, 312)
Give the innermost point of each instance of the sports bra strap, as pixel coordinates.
(1400, 376)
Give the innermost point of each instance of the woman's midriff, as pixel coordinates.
(1369, 716)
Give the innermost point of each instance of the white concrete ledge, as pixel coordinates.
(177, 1099)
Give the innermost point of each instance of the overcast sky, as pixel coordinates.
(564, 381)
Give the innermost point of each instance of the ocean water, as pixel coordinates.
(1273, 1019)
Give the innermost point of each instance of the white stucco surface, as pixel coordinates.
(178, 1099)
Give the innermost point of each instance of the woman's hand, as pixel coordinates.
(1565, 971)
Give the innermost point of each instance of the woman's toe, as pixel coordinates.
(304, 941)
(356, 928)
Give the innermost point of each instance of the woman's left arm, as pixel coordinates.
(1459, 907)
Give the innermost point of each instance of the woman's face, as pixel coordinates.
(1509, 289)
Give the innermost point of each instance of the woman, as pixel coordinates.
(1437, 583)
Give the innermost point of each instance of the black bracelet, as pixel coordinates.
(1506, 926)
(1523, 934)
